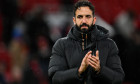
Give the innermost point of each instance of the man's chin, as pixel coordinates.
(84, 30)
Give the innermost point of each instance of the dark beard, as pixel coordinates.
(84, 30)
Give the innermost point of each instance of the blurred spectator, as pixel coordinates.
(127, 38)
(36, 27)
(18, 51)
(40, 44)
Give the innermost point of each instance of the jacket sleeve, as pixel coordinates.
(58, 70)
(112, 72)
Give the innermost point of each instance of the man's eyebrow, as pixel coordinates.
(88, 15)
(79, 15)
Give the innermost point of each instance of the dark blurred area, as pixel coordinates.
(29, 28)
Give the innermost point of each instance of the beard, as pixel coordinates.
(84, 30)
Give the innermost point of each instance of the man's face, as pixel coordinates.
(84, 18)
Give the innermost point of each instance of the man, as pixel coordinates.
(86, 55)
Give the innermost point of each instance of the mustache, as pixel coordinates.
(84, 24)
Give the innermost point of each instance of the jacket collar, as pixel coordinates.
(93, 36)
(77, 35)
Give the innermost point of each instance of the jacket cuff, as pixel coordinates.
(105, 73)
(81, 76)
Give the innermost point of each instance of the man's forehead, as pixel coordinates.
(84, 11)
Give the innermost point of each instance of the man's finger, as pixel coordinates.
(97, 53)
(88, 53)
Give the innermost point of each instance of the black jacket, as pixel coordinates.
(67, 55)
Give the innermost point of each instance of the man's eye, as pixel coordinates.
(79, 17)
(88, 16)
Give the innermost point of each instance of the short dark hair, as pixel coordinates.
(83, 4)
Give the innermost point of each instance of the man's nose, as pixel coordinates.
(84, 20)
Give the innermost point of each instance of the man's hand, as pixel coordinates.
(94, 61)
(84, 63)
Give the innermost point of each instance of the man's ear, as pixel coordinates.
(94, 20)
(74, 20)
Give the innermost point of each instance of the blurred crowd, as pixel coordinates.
(29, 28)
